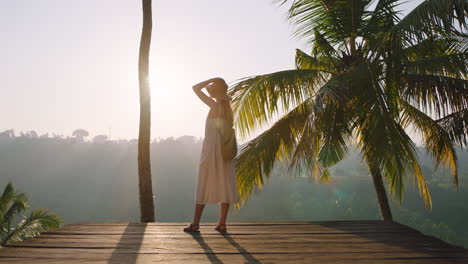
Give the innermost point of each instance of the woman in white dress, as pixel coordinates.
(216, 181)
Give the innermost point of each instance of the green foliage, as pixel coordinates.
(14, 204)
(371, 76)
(288, 195)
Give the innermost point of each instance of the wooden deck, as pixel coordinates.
(357, 242)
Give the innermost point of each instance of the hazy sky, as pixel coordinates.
(69, 64)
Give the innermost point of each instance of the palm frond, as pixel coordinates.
(336, 131)
(6, 198)
(18, 205)
(307, 62)
(321, 46)
(436, 139)
(436, 46)
(387, 148)
(257, 99)
(325, 137)
(456, 125)
(305, 155)
(449, 65)
(322, 142)
(37, 222)
(309, 16)
(438, 94)
(383, 10)
(257, 159)
(383, 142)
(11, 203)
(433, 16)
(377, 39)
(336, 20)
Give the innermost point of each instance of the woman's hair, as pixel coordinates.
(227, 112)
(221, 86)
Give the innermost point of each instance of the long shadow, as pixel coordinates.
(397, 235)
(208, 251)
(121, 252)
(246, 254)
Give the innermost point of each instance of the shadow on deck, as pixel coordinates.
(292, 242)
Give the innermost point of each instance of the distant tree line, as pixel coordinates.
(95, 181)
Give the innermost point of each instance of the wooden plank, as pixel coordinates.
(304, 229)
(353, 238)
(84, 252)
(91, 257)
(150, 226)
(274, 247)
(344, 222)
(292, 227)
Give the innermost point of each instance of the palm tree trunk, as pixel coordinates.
(379, 187)
(352, 44)
(144, 164)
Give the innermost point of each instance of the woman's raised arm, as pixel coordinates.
(197, 88)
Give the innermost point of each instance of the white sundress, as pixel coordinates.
(216, 181)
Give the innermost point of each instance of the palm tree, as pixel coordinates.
(371, 76)
(144, 161)
(14, 204)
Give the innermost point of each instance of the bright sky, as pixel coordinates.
(73, 64)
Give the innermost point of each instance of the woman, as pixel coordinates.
(216, 181)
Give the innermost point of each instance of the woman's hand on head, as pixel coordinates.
(203, 84)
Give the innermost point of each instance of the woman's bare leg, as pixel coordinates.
(224, 212)
(198, 213)
(194, 226)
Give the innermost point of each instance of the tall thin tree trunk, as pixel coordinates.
(379, 187)
(144, 161)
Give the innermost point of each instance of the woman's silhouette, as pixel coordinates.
(216, 181)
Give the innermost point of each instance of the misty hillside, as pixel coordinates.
(96, 181)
